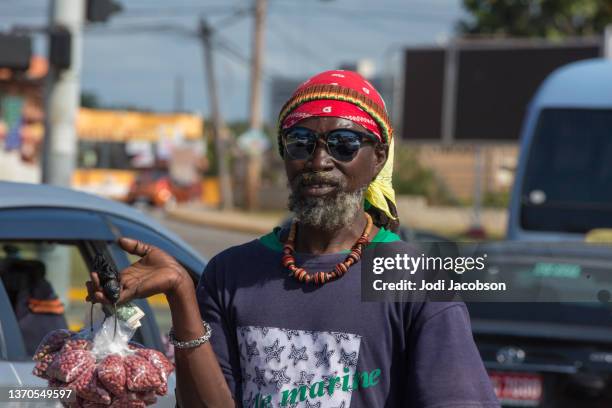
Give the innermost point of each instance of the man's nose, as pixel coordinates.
(321, 160)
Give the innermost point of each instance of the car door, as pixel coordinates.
(32, 231)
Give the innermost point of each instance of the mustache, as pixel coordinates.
(309, 179)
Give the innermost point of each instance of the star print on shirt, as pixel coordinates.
(340, 336)
(290, 333)
(263, 330)
(298, 354)
(348, 359)
(310, 356)
(313, 334)
(251, 350)
(260, 379)
(309, 405)
(323, 356)
(305, 379)
(326, 379)
(274, 352)
(279, 377)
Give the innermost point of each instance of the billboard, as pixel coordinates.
(478, 91)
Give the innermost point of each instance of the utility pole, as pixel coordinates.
(256, 63)
(178, 94)
(608, 42)
(62, 97)
(253, 167)
(61, 106)
(219, 129)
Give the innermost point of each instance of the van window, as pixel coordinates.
(567, 182)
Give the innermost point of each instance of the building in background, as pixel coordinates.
(22, 121)
(115, 146)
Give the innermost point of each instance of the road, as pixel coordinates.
(207, 241)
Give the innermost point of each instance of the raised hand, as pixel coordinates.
(155, 272)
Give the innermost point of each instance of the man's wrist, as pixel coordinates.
(183, 287)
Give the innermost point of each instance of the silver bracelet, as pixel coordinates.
(190, 343)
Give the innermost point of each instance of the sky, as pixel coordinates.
(136, 57)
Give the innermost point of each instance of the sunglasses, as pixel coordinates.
(342, 144)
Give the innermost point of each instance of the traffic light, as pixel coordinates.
(60, 47)
(15, 51)
(100, 10)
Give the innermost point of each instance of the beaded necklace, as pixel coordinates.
(320, 278)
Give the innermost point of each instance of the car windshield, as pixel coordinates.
(569, 172)
(569, 280)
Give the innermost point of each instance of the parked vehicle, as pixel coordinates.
(156, 188)
(47, 236)
(548, 354)
(562, 183)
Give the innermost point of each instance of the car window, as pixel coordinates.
(568, 172)
(45, 285)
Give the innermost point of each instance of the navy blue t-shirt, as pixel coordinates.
(282, 343)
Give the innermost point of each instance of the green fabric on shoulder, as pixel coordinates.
(272, 241)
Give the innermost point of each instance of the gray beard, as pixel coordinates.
(326, 213)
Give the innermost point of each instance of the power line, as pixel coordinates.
(312, 57)
(367, 14)
(231, 49)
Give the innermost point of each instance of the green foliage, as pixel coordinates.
(89, 99)
(551, 19)
(500, 199)
(410, 178)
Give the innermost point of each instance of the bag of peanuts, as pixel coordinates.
(102, 366)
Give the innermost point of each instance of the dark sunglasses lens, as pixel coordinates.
(300, 143)
(344, 144)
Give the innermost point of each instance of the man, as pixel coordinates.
(288, 324)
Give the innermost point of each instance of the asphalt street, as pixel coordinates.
(207, 241)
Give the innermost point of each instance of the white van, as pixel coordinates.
(563, 186)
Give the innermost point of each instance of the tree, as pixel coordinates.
(89, 99)
(536, 18)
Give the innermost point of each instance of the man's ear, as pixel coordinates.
(380, 158)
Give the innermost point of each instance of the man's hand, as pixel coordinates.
(155, 272)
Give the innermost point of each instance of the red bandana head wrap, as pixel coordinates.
(341, 94)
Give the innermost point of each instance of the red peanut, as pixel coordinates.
(140, 374)
(111, 374)
(92, 390)
(52, 342)
(162, 364)
(68, 366)
(77, 344)
(41, 367)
